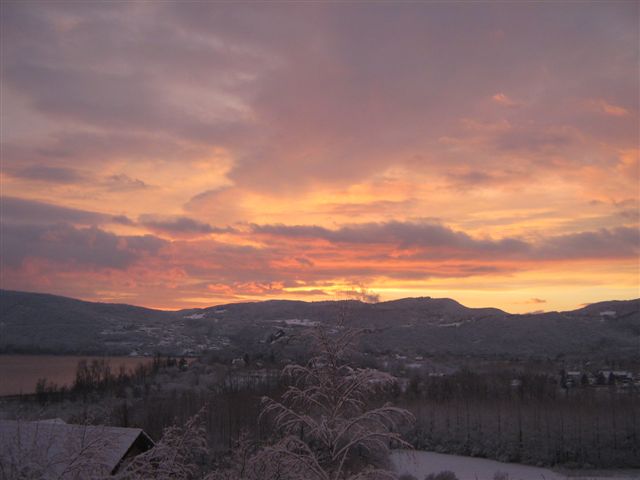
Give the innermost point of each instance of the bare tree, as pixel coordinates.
(327, 427)
(240, 464)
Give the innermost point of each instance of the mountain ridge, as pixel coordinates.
(36, 322)
(429, 299)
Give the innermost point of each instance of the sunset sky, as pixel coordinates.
(178, 155)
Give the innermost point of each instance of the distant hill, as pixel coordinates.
(35, 322)
(31, 322)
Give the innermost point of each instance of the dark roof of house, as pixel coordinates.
(59, 450)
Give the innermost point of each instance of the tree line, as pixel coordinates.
(530, 420)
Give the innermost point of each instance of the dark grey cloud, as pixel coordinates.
(466, 179)
(124, 182)
(400, 234)
(47, 174)
(305, 262)
(179, 225)
(528, 140)
(435, 241)
(81, 247)
(621, 242)
(471, 178)
(75, 146)
(19, 210)
(13, 165)
(122, 220)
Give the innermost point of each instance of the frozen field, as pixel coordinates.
(420, 464)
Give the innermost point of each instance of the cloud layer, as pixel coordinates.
(177, 155)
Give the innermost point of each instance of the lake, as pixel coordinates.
(19, 373)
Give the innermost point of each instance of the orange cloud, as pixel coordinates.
(606, 108)
(505, 100)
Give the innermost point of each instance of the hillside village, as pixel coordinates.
(35, 323)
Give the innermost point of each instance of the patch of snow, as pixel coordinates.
(452, 324)
(301, 322)
(195, 316)
(420, 463)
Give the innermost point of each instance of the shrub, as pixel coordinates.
(326, 427)
(444, 475)
(407, 476)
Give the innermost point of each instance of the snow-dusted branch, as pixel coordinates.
(329, 430)
(175, 456)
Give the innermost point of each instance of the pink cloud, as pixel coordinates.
(505, 100)
(606, 108)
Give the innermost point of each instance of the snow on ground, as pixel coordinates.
(420, 464)
(301, 322)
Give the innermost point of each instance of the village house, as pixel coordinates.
(55, 449)
(618, 377)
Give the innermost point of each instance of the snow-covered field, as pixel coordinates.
(419, 464)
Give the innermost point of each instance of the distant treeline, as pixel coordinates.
(96, 378)
(528, 419)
